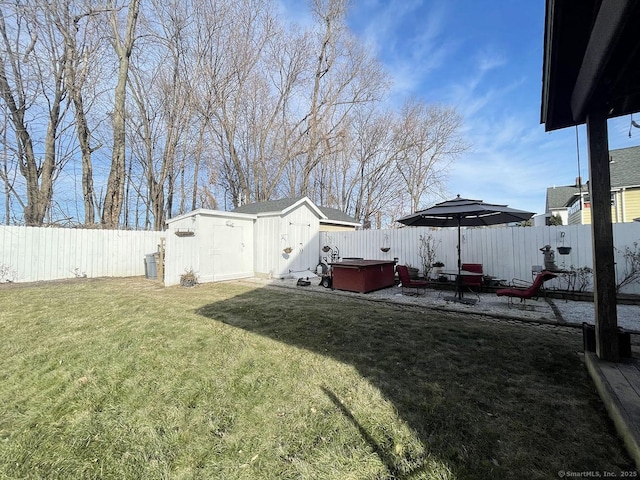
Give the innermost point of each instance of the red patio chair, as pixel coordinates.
(472, 282)
(406, 282)
(526, 293)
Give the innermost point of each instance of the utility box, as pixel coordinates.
(150, 266)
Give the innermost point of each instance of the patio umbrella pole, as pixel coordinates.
(458, 277)
(465, 212)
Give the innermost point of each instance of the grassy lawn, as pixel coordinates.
(121, 378)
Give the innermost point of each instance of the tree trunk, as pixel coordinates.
(115, 185)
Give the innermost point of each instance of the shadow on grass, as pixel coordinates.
(485, 398)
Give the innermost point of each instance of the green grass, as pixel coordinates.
(120, 378)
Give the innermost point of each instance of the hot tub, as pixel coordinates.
(363, 276)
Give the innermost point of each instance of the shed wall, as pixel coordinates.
(297, 229)
(220, 249)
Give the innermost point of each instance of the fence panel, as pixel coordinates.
(29, 254)
(33, 254)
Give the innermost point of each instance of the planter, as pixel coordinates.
(288, 250)
(188, 279)
(589, 340)
(564, 250)
(413, 273)
(385, 249)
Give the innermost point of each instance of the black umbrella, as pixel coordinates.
(462, 212)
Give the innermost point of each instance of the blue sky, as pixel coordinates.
(484, 58)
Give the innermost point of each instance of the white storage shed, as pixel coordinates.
(216, 245)
(287, 234)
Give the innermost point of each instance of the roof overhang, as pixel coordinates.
(212, 213)
(302, 201)
(591, 60)
(340, 222)
(312, 206)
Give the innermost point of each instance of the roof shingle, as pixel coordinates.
(274, 206)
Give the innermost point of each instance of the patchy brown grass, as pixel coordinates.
(121, 378)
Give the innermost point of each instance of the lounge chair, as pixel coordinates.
(406, 282)
(524, 294)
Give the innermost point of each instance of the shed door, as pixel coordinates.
(223, 258)
(302, 252)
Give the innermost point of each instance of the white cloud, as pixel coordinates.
(488, 60)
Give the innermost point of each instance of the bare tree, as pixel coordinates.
(212, 101)
(32, 80)
(360, 177)
(427, 142)
(122, 45)
(345, 75)
(161, 90)
(231, 41)
(79, 62)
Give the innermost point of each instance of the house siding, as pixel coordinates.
(631, 198)
(335, 228)
(580, 216)
(624, 168)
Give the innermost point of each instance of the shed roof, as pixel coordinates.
(327, 214)
(335, 215)
(279, 207)
(269, 206)
(212, 213)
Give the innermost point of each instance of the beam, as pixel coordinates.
(604, 279)
(609, 23)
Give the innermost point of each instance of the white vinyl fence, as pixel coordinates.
(504, 252)
(34, 254)
(30, 254)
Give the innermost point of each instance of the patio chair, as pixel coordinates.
(524, 294)
(406, 282)
(473, 283)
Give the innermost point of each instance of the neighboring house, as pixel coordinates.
(557, 200)
(574, 205)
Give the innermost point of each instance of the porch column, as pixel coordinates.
(604, 278)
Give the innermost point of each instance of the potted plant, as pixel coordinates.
(287, 250)
(413, 271)
(437, 270)
(188, 278)
(385, 244)
(562, 249)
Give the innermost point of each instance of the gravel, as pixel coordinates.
(550, 311)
